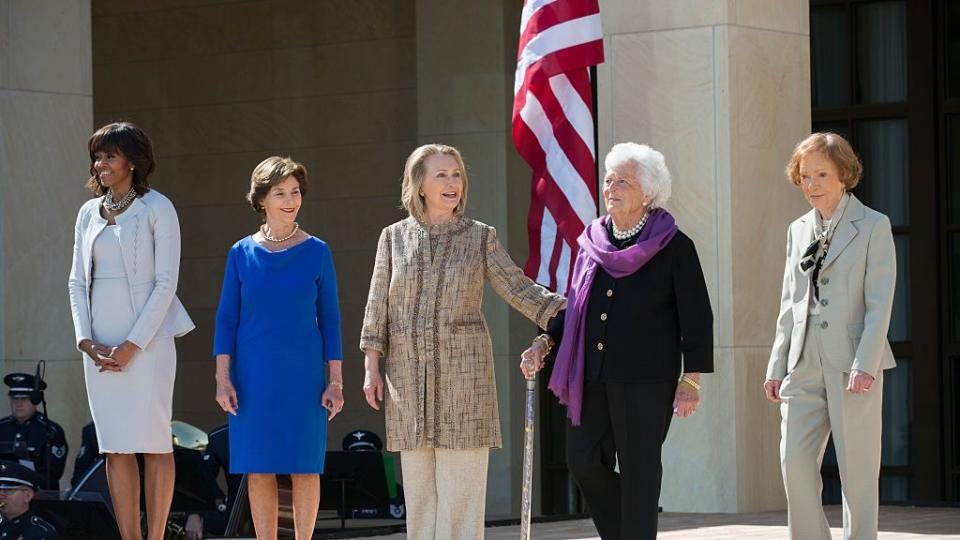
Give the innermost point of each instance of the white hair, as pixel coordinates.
(652, 169)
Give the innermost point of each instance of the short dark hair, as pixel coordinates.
(271, 172)
(128, 139)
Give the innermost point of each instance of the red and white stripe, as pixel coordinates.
(553, 129)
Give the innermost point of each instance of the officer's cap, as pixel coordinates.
(21, 384)
(361, 440)
(15, 475)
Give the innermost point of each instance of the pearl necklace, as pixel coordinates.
(263, 231)
(123, 203)
(632, 231)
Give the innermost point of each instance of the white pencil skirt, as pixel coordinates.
(131, 408)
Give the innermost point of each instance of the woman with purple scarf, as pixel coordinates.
(634, 339)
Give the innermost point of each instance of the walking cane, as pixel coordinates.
(527, 489)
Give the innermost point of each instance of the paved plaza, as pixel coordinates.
(896, 522)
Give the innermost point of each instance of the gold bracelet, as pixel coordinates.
(690, 382)
(336, 384)
(546, 340)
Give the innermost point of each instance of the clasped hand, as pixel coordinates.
(110, 358)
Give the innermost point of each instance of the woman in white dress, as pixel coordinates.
(123, 283)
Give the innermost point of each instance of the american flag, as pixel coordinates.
(553, 129)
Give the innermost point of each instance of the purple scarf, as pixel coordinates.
(596, 249)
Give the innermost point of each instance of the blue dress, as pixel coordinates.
(279, 320)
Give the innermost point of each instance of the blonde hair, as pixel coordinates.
(414, 172)
(834, 147)
(271, 172)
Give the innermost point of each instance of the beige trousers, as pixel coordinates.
(445, 493)
(816, 403)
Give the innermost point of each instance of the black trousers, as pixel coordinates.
(623, 423)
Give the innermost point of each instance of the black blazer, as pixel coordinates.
(640, 326)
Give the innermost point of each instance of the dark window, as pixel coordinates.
(830, 51)
(954, 285)
(900, 319)
(882, 146)
(952, 47)
(881, 52)
(873, 82)
(897, 392)
(953, 165)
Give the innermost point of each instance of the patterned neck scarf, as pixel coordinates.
(816, 252)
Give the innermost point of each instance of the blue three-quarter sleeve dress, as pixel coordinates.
(279, 320)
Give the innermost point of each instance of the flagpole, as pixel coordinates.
(558, 39)
(596, 135)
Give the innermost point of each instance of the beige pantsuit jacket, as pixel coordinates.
(856, 294)
(423, 314)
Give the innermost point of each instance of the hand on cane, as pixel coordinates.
(532, 359)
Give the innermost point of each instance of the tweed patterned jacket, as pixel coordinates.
(423, 314)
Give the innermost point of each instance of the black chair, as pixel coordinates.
(87, 519)
(353, 480)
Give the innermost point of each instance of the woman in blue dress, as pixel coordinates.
(278, 330)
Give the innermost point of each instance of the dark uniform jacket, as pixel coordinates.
(88, 453)
(28, 441)
(639, 327)
(217, 458)
(27, 526)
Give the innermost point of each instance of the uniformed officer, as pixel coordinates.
(18, 485)
(30, 432)
(87, 455)
(216, 458)
(362, 440)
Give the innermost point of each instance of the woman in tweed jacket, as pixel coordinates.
(423, 316)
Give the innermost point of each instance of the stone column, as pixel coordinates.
(466, 56)
(723, 90)
(46, 115)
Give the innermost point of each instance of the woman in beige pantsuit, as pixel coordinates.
(830, 350)
(423, 317)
